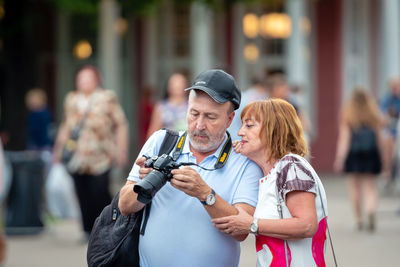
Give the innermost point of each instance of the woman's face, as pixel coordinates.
(176, 85)
(251, 145)
(86, 81)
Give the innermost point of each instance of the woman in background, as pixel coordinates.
(102, 141)
(171, 112)
(359, 152)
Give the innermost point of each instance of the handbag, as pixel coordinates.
(363, 140)
(114, 240)
(71, 144)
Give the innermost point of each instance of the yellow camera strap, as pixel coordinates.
(179, 146)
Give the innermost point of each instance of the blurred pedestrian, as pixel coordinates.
(102, 141)
(359, 152)
(390, 107)
(279, 88)
(257, 91)
(290, 220)
(39, 120)
(171, 111)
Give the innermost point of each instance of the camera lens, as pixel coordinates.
(149, 185)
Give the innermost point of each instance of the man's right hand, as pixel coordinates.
(143, 171)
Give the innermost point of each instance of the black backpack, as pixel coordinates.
(363, 140)
(114, 240)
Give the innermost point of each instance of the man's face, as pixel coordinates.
(207, 121)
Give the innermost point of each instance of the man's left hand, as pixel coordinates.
(189, 181)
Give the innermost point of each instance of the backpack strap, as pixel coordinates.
(167, 145)
(169, 141)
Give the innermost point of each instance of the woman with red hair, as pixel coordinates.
(290, 218)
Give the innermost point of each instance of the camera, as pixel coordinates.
(152, 182)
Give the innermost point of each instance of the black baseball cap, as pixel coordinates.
(219, 85)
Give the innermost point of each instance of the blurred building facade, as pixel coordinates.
(326, 47)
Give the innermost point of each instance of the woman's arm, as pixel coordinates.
(61, 138)
(122, 143)
(304, 221)
(303, 224)
(63, 130)
(342, 148)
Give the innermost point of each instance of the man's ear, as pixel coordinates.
(230, 118)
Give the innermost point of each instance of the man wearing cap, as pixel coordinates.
(179, 230)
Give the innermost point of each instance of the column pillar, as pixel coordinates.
(390, 47)
(298, 57)
(150, 48)
(201, 37)
(110, 46)
(239, 41)
(296, 61)
(64, 75)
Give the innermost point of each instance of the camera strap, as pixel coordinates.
(179, 147)
(222, 158)
(225, 152)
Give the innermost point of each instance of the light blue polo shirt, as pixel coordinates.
(179, 231)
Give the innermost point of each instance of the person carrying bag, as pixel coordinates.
(114, 240)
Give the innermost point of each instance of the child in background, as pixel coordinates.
(39, 120)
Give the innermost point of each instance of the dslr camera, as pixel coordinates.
(152, 182)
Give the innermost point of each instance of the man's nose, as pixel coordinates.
(200, 124)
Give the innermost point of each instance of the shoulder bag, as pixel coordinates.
(114, 240)
(70, 146)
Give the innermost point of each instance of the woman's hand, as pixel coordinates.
(237, 146)
(235, 224)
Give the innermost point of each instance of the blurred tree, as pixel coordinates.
(77, 6)
(141, 7)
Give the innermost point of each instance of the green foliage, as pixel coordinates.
(143, 7)
(139, 7)
(77, 6)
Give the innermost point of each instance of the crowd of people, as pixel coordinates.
(264, 185)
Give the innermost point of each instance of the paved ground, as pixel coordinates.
(59, 245)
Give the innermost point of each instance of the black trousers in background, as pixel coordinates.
(93, 195)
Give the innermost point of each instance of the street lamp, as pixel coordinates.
(251, 53)
(82, 49)
(275, 25)
(250, 25)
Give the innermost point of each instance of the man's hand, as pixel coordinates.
(143, 171)
(189, 181)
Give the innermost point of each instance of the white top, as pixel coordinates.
(291, 173)
(179, 231)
